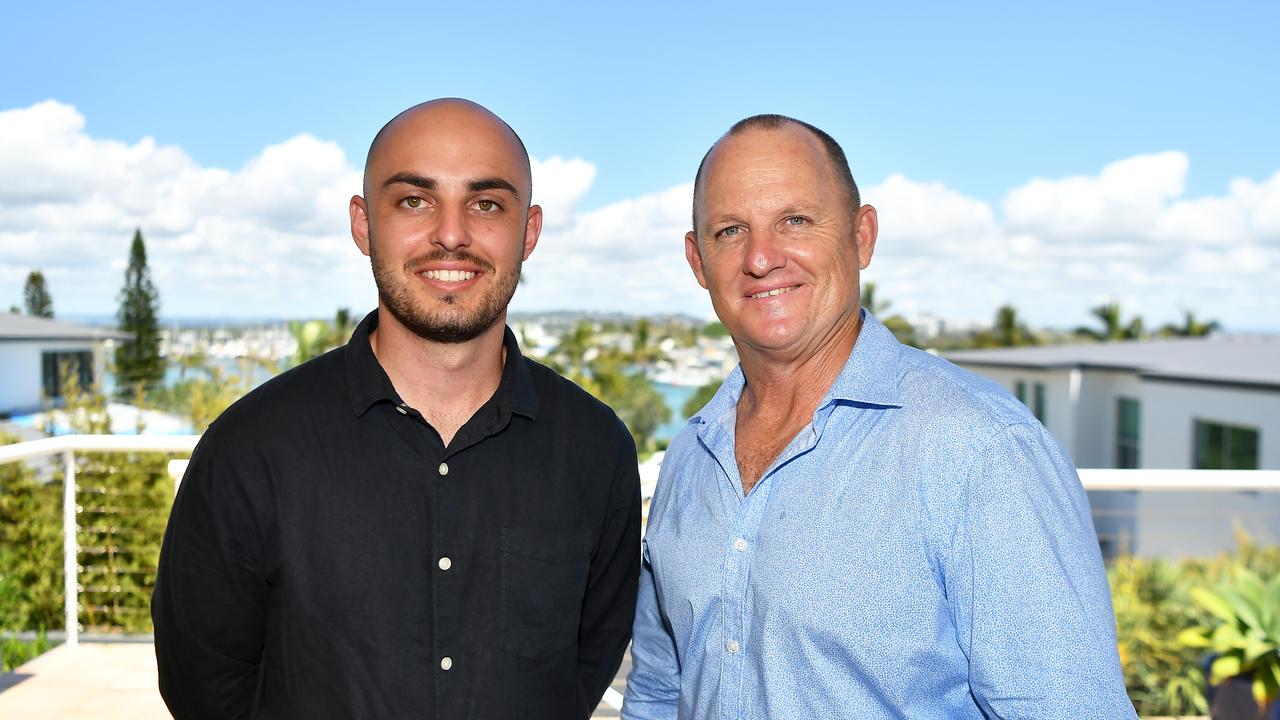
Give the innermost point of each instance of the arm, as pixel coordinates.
(609, 604)
(209, 603)
(1031, 601)
(653, 687)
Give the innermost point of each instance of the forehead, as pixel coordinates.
(758, 164)
(449, 142)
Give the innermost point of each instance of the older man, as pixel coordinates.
(423, 523)
(853, 528)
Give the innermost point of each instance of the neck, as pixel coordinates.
(792, 383)
(453, 379)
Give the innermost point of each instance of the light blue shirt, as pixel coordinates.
(922, 549)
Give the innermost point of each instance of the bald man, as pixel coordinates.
(422, 523)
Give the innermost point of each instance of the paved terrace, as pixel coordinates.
(110, 681)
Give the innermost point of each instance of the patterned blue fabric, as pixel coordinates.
(922, 549)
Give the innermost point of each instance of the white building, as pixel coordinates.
(32, 349)
(1181, 403)
(1162, 404)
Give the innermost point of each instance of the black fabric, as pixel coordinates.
(300, 574)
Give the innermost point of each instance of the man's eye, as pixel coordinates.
(730, 231)
(412, 202)
(796, 220)
(486, 205)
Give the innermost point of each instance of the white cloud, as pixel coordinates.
(271, 238)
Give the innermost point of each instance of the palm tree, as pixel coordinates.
(869, 301)
(1113, 326)
(1010, 331)
(1190, 327)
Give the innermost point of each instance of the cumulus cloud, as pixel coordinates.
(270, 238)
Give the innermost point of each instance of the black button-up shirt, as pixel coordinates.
(328, 557)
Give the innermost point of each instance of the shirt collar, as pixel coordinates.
(870, 376)
(368, 383)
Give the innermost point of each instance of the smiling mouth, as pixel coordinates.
(448, 275)
(771, 293)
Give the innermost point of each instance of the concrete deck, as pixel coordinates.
(105, 681)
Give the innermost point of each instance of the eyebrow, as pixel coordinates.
(426, 183)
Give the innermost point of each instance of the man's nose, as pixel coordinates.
(451, 230)
(764, 253)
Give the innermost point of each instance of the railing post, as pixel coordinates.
(70, 549)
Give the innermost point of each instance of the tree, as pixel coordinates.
(1113, 326)
(36, 296)
(138, 360)
(1190, 327)
(316, 337)
(901, 328)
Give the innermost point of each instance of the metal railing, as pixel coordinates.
(1247, 481)
(67, 446)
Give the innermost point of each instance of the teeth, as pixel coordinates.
(448, 275)
(771, 293)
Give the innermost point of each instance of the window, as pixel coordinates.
(54, 364)
(1020, 391)
(1038, 403)
(1127, 431)
(1225, 447)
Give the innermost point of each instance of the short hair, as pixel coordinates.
(770, 121)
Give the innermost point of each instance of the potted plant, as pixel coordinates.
(1245, 642)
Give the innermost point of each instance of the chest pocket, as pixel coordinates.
(544, 579)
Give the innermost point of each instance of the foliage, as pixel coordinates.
(1007, 330)
(36, 297)
(138, 361)
(632, 395)
(207, 392)
(714, 329)
(903, 330)
(1113, 325)
(700, 397)
(15, 652)
(1245, 636)
(316, 337)
(1153, 605)
(1190, 327)
(30, 549)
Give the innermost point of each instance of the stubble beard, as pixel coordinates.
(447, 323)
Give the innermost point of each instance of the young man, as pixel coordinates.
(422, 523)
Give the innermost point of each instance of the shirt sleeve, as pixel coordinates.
(209, 603)
(609, 605)
(653, 687)
(1028, 589)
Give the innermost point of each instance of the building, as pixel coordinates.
(34, 349)
(1200, 403)
(1187, 403)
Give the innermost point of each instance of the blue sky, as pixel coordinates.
(947, 110)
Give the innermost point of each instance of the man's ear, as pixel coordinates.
(694, 256)
(532, 229)
(359, 223)
(868, 227)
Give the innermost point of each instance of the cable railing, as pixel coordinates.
(80, 501)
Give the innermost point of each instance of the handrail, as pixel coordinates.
(1180, 480)
(68, 446)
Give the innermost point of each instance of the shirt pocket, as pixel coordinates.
(543, 581)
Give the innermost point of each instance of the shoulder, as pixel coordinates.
(932, 386)
(315, 388)
(560, 400)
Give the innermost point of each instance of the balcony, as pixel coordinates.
(112, 676)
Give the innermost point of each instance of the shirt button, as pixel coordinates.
(731, 646)
(443, 469)
(739, 544)
(445, 563)
(446, 663)
(400, 409)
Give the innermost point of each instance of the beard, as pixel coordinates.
(448, 322)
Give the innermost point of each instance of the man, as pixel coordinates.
(422, 523)
(853, 528)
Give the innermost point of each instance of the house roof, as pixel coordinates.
(25, 327)
(1247, 360)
